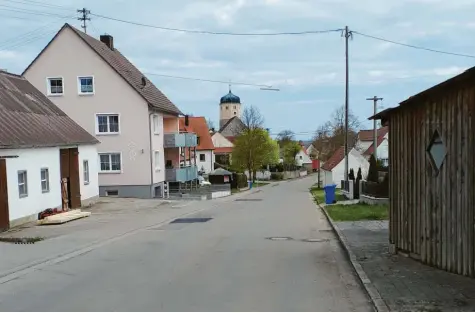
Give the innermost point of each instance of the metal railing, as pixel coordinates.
(183, 174)
(179, 140)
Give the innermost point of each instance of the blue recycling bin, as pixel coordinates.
(250, 184)
(329, 193)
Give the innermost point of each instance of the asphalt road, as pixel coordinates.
(236, 261)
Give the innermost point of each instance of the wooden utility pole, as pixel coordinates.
(375, 127)
(347, 35)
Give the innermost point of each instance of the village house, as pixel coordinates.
(333, 171)
(432, 177)
(205, 149)
(137, 125)
(365, 144)
(302, 159)
(47, 161)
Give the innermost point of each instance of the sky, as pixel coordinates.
(308, 69)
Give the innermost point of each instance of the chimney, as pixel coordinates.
(108, 40)
(187, 121)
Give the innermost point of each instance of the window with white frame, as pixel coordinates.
(107, 124)
(157, 160)
(85, 168)
(44, 180)
(156, 125)
(55, 86)
(110, 162)
(22, 184)
(86, 85)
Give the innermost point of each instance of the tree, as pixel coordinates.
(210, 123)
(373, 170)
(290, 151)
(285, 137)
(359, 176)
(331, 135)
(351, 175)
(253, 149)
(252, 118)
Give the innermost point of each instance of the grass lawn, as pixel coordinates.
(357, 212)
(319, 195)
(260, 184)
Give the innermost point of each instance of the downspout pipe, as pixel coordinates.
(151, 152)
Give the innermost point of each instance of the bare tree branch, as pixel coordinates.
(252, 118)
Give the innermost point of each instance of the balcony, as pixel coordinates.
(183, 174)
(179, 140)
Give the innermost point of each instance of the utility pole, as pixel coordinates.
(84, 17)
(375, 127)
(347, 35)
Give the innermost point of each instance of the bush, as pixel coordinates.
(277, 176)
(351, 175)
(373, 175)
(239, 181)
(359, 176)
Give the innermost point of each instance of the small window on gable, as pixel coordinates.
(55, 86)
(437, 151)
(86, 85)
(227, 107)
(198, 140)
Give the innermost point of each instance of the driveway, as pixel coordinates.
(266, 250)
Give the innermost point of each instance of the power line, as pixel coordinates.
(33, 12)
(217, 33)
(39, 4)
(415, 47)
(29, 40)
(24, 36)
(208, 80)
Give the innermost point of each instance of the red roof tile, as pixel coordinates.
(370, 150)
(335, 159)
(223, 150)
(367, 134)
(198, 126)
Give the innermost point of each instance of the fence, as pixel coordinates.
(375, 190)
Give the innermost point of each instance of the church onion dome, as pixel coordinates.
(230, 98)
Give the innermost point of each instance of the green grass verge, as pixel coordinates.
(357, 212)
(319, 195)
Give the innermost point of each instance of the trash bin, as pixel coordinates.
(250, 184)
(329, 193)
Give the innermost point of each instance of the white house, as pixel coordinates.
(141, 149)
(382, 151)
(303, 159)
(205, 149)
(365, 141)
(223, 148)
(46, 160)
(333, 171)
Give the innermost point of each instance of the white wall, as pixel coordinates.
(32, 160)
(302, 158)
(89, 153)
(355, 161)
(327, 178)
(219, 141)
(208, 164)
(157, 145)
(383, 150)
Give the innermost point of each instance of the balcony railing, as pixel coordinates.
(183, 174)
(179, 140)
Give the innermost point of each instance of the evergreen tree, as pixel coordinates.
(373, 170)
(351, 175)
(359, 176)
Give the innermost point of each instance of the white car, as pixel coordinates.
(203, 182)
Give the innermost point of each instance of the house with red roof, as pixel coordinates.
(365, 143)
(205, 148)
(302, 158)
(333, 171)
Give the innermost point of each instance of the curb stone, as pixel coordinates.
(371, 290)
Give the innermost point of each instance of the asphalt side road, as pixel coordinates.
(271, 250)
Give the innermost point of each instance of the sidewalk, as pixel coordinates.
(405, 284)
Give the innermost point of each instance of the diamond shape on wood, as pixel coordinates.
(437, 151)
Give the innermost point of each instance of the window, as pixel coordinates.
(44, 180)
(234, 107)
(198, 140)
(86, 85)
(107, 124)
(234, 113)
(227, 107)
(169, 164)
(22, 184)
(157, 160)
(202, 157)
(85, 168)
(112, 193)
(437, 152)
(55, 86)
(156, 124)
(301, 158)
(110, 162)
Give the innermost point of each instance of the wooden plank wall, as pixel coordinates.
(432, 214)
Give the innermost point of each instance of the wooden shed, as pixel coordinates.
(432, 175)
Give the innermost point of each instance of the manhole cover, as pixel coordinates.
(315, 240)
(279, 238)
(24, 240)
(191, 220)
(248, 200)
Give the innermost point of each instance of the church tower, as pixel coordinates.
(229, 107)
